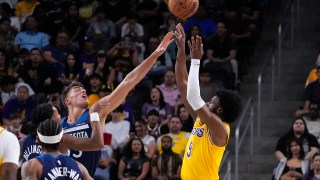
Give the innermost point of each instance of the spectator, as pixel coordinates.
(6, 68)
(105, 67)
(311, 93)
(206, 24)
(187, 121)
(134, 164)
(221, 54)
(132, 27)
(180, 138)
(313, 74)
(25, 8)
(149, 142)
(71, 71)
(118, 128)
(312, 120)
(94, 85)
(169, 89)
(6, 34)
(7, 89)
(88, 56)
(314, 173)
(22, 104)
(168, 164)
(294, 166)
(87, 9)
(153, 124)
(208, 87)
(30, 37)
(9, 155)
(55, 53)
(102, 29)
(156, 101)
(299, 130)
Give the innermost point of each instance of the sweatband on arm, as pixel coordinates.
(94, 117)
(193, 87)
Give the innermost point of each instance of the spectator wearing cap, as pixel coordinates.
(102, 29)
(6, 34)
(153, 124)
(30, 37)
(21, 104)
(105, 68)
(88, 56)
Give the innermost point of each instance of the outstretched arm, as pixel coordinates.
(84, 171)
(134, 77)
(95, 142)
(31, 170)
(181, 69)
(219, 133)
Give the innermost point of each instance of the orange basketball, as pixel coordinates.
(183, 8)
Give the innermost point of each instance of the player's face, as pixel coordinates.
(56, 116)
(136, 146)
(298, 126)
(78, 97)
(214, 104)
(294, 147)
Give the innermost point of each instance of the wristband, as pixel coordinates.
(94, 117)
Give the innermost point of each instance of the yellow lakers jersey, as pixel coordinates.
(179, 142)
(202, 157)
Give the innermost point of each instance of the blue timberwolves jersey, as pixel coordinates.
(59, 167)
(30, 148)
(82, 128)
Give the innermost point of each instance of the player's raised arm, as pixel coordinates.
(181, 71)
(134, 77)
(219, 132)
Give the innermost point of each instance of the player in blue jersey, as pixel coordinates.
(76, 100)
(29, 148)
(52, 164)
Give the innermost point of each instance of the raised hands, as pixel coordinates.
(196, 47)
(164, 44)
(180, 36)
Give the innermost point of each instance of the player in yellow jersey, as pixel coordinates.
(211, 130)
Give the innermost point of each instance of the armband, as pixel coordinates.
(94, 117)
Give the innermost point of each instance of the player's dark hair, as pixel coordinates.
(49, 127)
(231, 105)
(66, 91)
(38, 114)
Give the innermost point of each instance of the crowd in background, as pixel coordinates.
(45, 45)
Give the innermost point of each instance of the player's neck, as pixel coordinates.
(74, 114)
(52, 152)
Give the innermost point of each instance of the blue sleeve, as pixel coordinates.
(17, 40)
(44, 40)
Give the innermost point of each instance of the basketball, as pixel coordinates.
(183, 8)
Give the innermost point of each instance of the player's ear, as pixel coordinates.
(219, 110)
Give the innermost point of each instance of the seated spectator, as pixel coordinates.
(30, 37)
(221, 54)
(311, 93)
(206, 23)
(314, 173)
(156, 101)
(180, 138)
(25, 8)
(94, 84)
(208, 86)
(22, 104)
(298, 130)
(7, 89)
(71, 71)
(6, 68)
(294, 166)
(313, 74)
(312, 120)
(134, 164)
(187, 121)
(102, 29)
(16, 125)
(132, 27)
(7, 35)
(105, 67)
(153, 124)
(149, 142)
(168, 164)
(88, 56)
(118, 128)
(169, 89)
